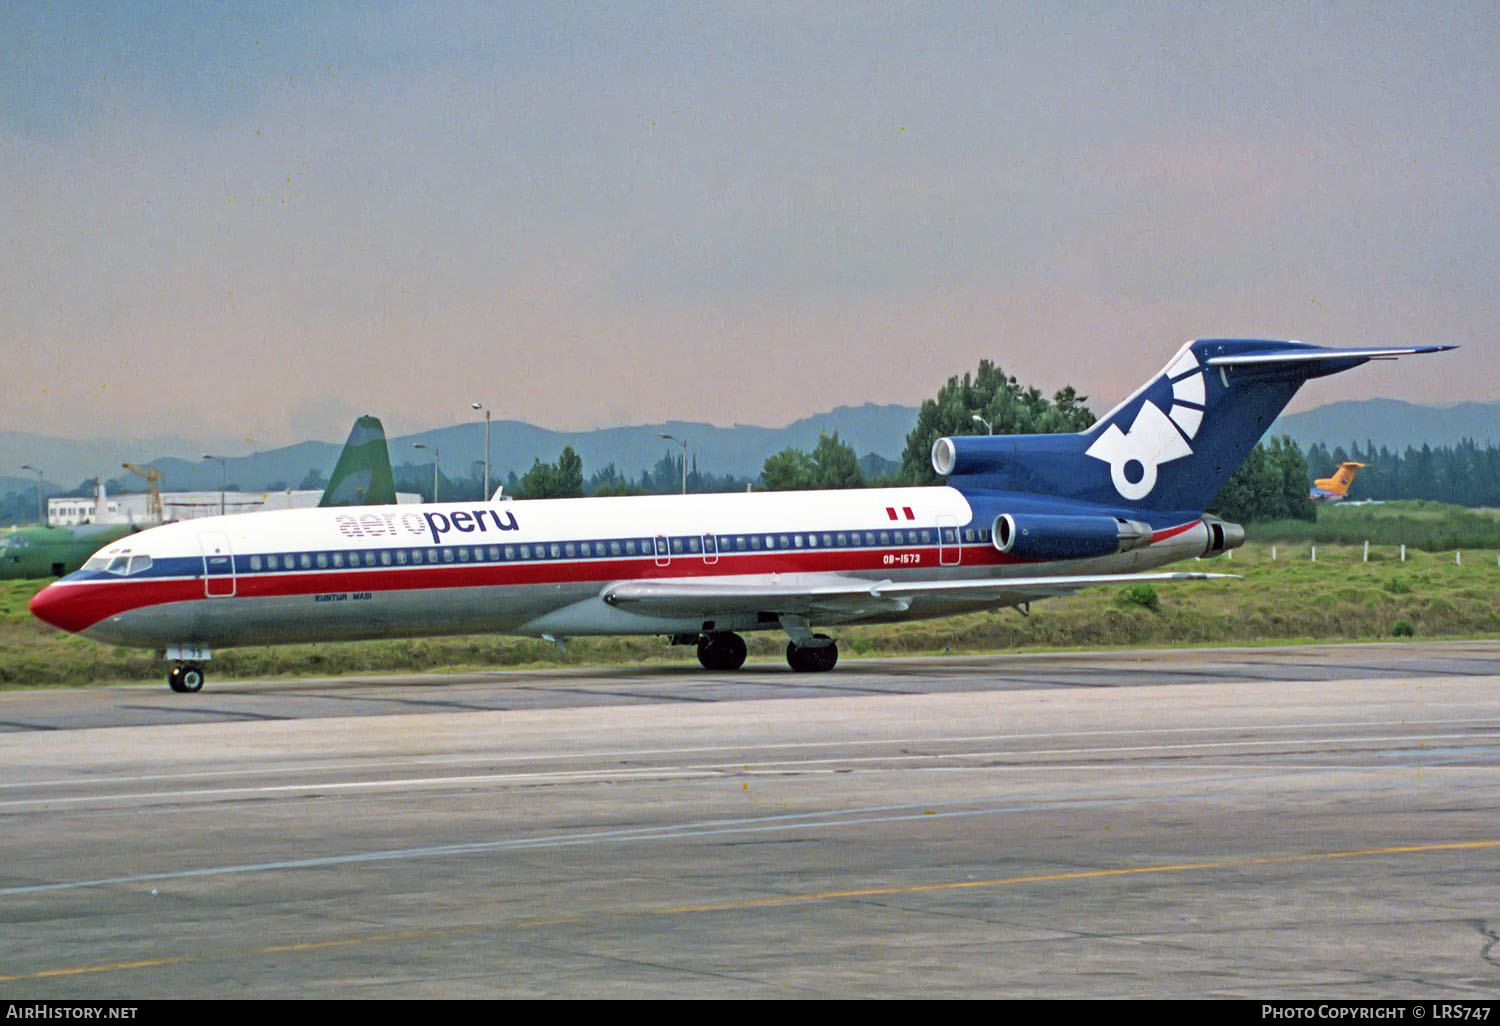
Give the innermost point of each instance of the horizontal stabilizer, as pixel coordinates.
(1312, 354)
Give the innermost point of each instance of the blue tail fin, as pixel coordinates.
(1172, 444)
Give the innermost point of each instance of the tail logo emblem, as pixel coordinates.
(1155, 437)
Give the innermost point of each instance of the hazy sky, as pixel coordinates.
(260, 219)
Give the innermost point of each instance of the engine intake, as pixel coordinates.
(1040, 536)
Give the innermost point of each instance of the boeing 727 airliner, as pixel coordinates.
(1020, 518)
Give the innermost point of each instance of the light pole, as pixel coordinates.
(682, 442)
(437, 457)
(221, 480)
(41, 517)
(478, 406)
(980, 420)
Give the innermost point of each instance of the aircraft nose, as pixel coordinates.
(58, 606)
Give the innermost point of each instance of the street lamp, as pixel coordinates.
(980, 420)
(478, 406)
(41, 518)
(437, 457)
(221, 480)
(682, 442)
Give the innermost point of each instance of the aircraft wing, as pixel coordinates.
(812, 594)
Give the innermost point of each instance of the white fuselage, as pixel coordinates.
(538, 568)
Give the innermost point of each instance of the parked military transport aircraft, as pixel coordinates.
(361, 477)
(1021, 518)
(1335, 488)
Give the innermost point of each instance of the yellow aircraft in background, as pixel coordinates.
(1335, 488)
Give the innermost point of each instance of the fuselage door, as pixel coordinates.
(710, 549)
(948, 547)
(218, 564)
(663, 553)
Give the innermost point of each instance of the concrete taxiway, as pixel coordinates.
(1313, 822)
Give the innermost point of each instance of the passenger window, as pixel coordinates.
(447, 555)
(400, 557)
(585, 550)
(694, 545)
(614, 548)
(885, 537)
(254, 562)
(322, 558)
(338, 559)
(555, 550)
(677, 546)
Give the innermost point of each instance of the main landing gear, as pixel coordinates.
(185, 678)
(813, 658)
(721, 651)
(806, 652)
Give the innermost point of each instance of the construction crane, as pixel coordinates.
(153, 493)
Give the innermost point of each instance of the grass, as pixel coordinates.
(1337, 597)
(1430, 526)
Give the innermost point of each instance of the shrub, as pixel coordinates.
(1140, 594)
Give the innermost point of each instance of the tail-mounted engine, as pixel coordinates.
(1040, 536)
(1222, 536)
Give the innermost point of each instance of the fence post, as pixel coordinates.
(1403, 552)
(1314, 553)
(1367, 550)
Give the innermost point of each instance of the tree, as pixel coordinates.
(560, 480)
(1271, 484)
(610, 482)
(789, 470)
(1001, 401)
(832, 464)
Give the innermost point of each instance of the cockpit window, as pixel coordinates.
(96, 563)
(139, 563)
(119, 564)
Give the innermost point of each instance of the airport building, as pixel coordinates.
(133, 508)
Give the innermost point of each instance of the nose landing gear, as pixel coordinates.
(185, 678)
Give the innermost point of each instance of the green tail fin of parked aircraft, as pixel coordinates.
(362, 476)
